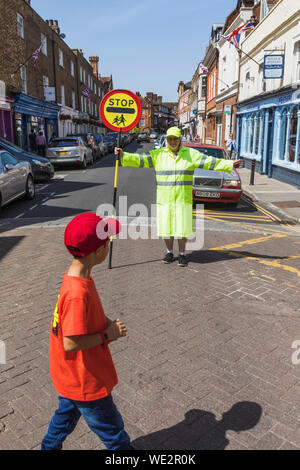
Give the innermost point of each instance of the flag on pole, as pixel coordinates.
(235, 36)
(203, 68)
(87, 93)
(35, 55)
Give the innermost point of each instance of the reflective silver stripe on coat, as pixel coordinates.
(202, 161)
(213, 162)
(174, 183)
(176, 172)
(149, 158)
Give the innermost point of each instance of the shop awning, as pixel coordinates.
(25, 104)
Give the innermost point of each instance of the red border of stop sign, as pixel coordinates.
(111, 126)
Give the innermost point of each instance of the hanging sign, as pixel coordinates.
(274, 66)
(120, 110)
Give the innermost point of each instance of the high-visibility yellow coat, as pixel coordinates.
(174, 180)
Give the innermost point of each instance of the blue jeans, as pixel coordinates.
(101, 416)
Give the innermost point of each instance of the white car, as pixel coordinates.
(69, 150)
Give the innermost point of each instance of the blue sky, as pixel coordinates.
(147, 45)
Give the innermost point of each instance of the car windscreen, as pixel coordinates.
(63, 143)
(211, 152)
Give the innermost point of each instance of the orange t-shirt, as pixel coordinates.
(83, 375)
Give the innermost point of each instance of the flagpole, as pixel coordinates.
(24, 63)
(248, 55)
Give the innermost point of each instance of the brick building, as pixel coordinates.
(46, 96)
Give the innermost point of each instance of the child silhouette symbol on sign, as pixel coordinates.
(122, 120)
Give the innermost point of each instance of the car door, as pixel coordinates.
(15, 174)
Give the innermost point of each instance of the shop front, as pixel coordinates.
(33, 114)
(268, 131)
(6, 121)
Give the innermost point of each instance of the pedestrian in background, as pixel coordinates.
(32, 140)
(81, 365)
(41, 144)
(231, 146)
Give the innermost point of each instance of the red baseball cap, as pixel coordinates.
(87, 232)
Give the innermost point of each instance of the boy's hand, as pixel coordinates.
(116, 330)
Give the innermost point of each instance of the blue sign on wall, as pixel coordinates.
(274, 66)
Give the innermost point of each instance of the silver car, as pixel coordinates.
(69, 150)
(16, 179)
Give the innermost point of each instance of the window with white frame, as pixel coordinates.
(82, 104)
(61, 58)
(72, 69)
(44, 48)
(81, 74)
(84, 76)
(297, 62)
(73, 100)
(45, 81)
(20, 25)
(23, 79)
(62, 94)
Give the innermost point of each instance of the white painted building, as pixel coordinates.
(269, 108)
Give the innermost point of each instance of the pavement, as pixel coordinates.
(207, 363)
(280, 198)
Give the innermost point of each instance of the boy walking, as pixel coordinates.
(81, 365)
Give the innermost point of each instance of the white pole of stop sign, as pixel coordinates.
(2, 353)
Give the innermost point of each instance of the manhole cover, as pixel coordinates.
(287, 204)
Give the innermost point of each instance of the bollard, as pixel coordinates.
(253, 163)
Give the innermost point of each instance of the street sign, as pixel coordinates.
(274, 66)
(227, 109)
(120, 110)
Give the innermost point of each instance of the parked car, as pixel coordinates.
(69, 150)
(161, 141)
(91, 142)
(42, 168)
(16, 179)
(102, 144)
(143, 137)
(110, 142)
(125, 140)
(215, 186)
(153, 135)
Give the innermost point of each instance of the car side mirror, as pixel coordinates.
(9, 166)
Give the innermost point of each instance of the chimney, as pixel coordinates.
(54, 25)
(94, 61)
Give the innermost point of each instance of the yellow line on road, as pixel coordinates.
(235, 215)
(252, 241)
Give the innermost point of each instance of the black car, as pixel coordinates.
(42, 168)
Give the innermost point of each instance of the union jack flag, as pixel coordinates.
(203, 68)
(87, 93)
(35, 55)
(235, 36)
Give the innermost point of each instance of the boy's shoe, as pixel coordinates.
(182, 261)
(169, 258)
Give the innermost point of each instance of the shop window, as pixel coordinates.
(258, 136)
(293, 135)
(283, 134)
(20, 25)
(251, 139)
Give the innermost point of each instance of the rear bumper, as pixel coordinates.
(58, 160)
(226, 195)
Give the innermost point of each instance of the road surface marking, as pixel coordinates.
(252, 241)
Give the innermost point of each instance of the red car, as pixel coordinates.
(215, 186)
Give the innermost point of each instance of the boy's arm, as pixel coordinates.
(115, 330)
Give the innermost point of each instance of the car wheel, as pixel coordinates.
(30, 188)
(83, 164)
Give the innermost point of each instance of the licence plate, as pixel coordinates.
(208, 194)
(63, 153)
